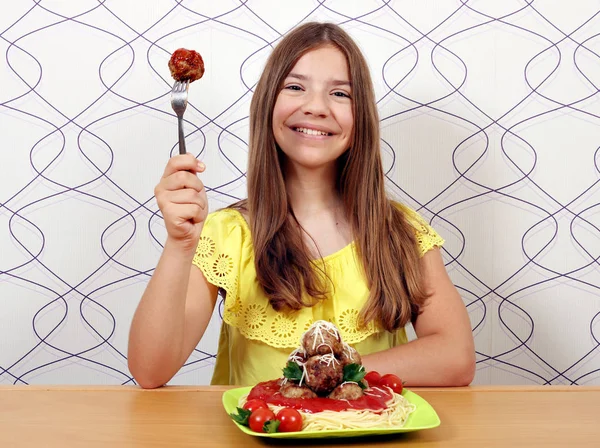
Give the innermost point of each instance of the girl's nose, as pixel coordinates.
(315, 105)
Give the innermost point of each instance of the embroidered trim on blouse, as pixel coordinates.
(257, 320)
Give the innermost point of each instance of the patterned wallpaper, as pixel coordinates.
(490, 116)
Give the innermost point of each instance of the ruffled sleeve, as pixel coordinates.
(427, 238)
(219, 253)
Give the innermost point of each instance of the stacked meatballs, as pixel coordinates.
(322, 356)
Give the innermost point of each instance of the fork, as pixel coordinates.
(179, 96)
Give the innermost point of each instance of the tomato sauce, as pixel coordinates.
(374, 399)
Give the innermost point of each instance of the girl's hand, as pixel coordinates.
(181, 197)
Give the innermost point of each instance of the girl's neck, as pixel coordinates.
(311, 190)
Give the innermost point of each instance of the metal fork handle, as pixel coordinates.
(181, 136)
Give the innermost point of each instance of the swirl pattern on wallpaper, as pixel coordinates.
(490, 124)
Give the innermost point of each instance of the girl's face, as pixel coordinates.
(312, 118)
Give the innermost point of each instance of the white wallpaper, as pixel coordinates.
(490, 113)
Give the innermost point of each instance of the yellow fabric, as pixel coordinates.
(255, 339)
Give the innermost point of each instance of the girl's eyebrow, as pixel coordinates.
(335, 82)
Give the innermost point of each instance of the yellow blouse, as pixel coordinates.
(256, 340)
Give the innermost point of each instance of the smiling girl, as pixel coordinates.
(317, 238)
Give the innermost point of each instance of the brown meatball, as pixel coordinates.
(347, 391)
(186, 65)
(323, 373)
(291, 390)
(298, 356)
(349, 356)
(322, 338)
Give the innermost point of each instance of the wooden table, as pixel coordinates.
(34, 416)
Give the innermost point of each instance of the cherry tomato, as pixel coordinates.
(392, 381)
(259, 417)
(254, 404)
(290, 419)
(373, 378)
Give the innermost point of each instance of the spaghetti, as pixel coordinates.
(394, 415)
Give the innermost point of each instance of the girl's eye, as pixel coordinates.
(341, 94)
(293, 87)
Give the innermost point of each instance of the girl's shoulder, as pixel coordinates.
(225, 238)
(227, 226)
(228, 218)
(224, 250)
(426, 236)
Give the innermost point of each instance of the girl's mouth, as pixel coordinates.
(312, 132)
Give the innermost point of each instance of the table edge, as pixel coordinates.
(170, 389)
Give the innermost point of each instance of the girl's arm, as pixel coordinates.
(170, 319)
(444, 352)
(178, 301)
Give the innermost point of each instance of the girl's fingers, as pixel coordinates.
(183, 162)
(187, 196)
(181, 180)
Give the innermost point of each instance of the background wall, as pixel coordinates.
(490, 116)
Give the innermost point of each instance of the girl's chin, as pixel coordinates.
(311, 159)
(310, 162)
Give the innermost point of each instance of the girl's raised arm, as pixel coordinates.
(178, 301)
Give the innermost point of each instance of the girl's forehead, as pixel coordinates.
(326, 59)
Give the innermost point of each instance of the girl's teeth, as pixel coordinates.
(310, 131)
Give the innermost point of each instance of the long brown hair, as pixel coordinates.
(384, 240)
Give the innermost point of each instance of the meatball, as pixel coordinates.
(186, 65)
(349, 356)
(347, 391)
(323, 373)
(322, 338)
(298, 356)
(291, 390)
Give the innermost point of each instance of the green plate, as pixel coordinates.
(424, 417)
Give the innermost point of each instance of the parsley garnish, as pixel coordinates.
(271, 426)
(292, 371)
(241, 417)
(354, 373)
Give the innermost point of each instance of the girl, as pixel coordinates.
(317, 238)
